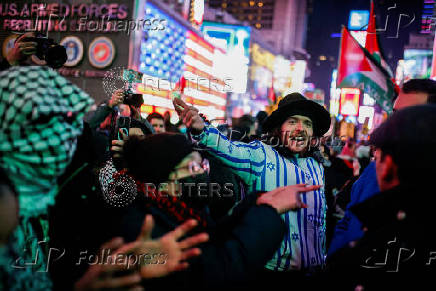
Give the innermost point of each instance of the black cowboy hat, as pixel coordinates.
(297, 104)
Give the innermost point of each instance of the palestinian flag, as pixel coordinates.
(359, 69)
(373, 47)
(371, 43)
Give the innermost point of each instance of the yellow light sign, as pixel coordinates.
(262, 57)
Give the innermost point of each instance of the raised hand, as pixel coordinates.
(117, 145)
(174, 252)
(286, 198)
(21, 50)
(189, 115)
(117, 98)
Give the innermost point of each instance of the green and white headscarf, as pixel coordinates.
(40, 119)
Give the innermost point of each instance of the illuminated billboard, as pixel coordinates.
(417, 63)
(261, 71)
(368, 100)
(358, 19)
(297, 75)
(349, 102)
(235, 41)
(197, 12)
(228, 37)
(364, 113)
(335, 94)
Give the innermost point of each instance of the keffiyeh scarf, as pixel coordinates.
(40, 119)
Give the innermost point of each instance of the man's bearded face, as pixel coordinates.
(296, 133)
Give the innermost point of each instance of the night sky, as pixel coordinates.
(327, 16)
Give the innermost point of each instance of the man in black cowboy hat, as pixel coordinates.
(264, 167)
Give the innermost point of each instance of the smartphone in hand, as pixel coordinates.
(123, 124)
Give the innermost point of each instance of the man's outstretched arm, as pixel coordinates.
(246, 160)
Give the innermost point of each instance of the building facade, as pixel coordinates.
(282, 23)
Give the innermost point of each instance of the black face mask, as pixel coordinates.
(195, 191)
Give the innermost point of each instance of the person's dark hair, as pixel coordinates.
(155, 115)
(242, 128)
(409, 137)
(246, 121)
(261, 116)
(423, 86)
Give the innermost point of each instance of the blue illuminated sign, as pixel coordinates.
(358, 19)
(228, 36)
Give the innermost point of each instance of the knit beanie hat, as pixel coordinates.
(151, 159)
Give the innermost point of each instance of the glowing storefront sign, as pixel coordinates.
(297, 75)
(197, 11)
(349, 104)
(262, 57)
(334, 102)
(417, 63)
(261, 71)
(282, 74)
(366, 112)
(235, 41)
(358, 19)
(368, 100)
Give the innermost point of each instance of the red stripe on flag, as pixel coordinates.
(203, 74)
(195, 38)
(199, 57)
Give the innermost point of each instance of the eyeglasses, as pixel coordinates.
(194, 167)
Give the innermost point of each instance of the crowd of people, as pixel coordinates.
(115, 201)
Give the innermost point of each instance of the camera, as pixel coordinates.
(133, 99)
(47, 49)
